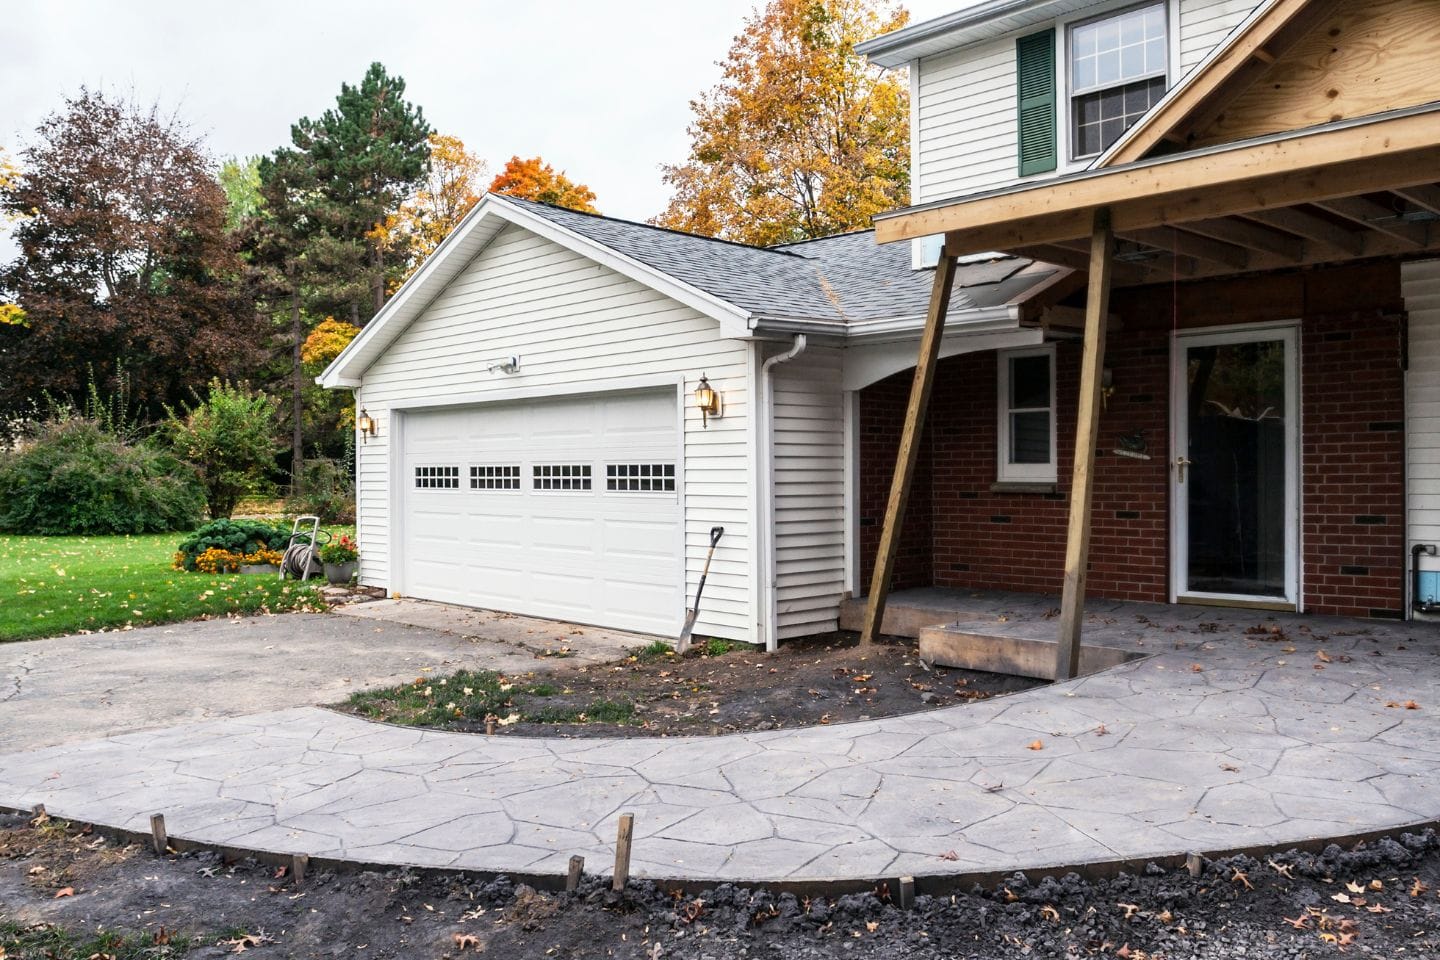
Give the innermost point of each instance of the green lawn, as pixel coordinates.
(56, 585)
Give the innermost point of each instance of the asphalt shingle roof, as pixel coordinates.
(840, 279)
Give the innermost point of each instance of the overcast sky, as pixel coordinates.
(599, 88)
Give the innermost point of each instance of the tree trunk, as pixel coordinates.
(378, 283)
(297, 386)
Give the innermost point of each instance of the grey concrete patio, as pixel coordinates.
(72, 688)
(1240, 729)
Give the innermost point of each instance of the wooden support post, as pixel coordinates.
(909, 446)
(622, 851)
(577, 869)
(1092, 362)
(40, 815)
(299, 863)
(906, 900)
(1195, 864)
(158, 838)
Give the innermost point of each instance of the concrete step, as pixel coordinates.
(956, 645)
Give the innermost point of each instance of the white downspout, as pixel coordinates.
(767, 498)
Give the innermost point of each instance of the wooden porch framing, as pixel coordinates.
(1349, 190)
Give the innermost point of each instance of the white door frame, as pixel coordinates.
(1289, 333)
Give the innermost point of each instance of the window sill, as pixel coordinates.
(1021, 486)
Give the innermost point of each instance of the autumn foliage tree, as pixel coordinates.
(123, 254)
(453, 184)
(801, 138)
(534, 179)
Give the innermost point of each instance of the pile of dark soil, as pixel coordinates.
(1377, 900)
(818, 680)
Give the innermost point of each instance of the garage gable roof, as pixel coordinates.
(827, 284)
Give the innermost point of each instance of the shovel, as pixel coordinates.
(692, 613)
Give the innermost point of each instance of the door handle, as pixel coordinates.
(1180, 464)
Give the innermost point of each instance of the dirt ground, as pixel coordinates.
(66, 894)
(818, 680)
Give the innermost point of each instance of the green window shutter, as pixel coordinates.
(1035, 81)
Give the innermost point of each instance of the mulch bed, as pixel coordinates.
(818, 680)
(68, 895)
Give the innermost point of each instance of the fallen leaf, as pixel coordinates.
(1239, 876)
(64, 892)
(1301, 922)
(1378, 908)
(1050, 913)
(1341, 898)
(1354, 887)
(949, 855)
(1322, 656)
(463, 940)
(1418, 887)
(872, 925)
(1036, 745)
(1130, 909)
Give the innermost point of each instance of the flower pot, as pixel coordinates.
(340, 572)
(262, 569)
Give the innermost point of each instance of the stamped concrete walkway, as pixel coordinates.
(1223, 738)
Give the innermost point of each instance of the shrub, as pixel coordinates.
(74, 477)
(241, 538)
(229, 437)
(326, 491)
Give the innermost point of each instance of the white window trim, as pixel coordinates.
(1066, 162)
(1064, 30)
(1005, 471)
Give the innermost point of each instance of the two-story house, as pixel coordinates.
(1247, 362)
(1190, 232)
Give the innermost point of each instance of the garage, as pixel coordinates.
(566, 508)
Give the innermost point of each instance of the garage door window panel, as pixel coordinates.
(437, 478)
(495, 477)
(561, 476)
(640, 477)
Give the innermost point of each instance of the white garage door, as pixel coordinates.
(559, 508)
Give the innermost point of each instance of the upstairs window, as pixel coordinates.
(1118, 67)
(1027, 416)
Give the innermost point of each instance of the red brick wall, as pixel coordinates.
(968, 535)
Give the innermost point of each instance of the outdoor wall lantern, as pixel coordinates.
(707, 398)
(366, 425)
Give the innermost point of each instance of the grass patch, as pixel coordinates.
(47, 940)
(655, 650)
(715, 647)
(467, 697)
(57, 585)
(598, 711)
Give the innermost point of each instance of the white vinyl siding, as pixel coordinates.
(809, 484)
(1420, 285)
(1203, 24)
(578, 327)
(965, 132)
(967, 129)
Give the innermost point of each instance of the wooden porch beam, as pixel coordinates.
(1262, 174)
(1251, 236)
(1311, 227)
(1092, 361)
(1375, 216)
(900, 484)
(1425, 195)
(1185, 244)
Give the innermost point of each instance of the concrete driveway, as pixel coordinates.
(81, 687)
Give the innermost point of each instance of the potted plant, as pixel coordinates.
(340, 557)
(264, 561)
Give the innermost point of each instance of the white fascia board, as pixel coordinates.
(416, 292)
(337, 374)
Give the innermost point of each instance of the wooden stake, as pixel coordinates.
(909, 447)
(490, 725)
(39, 811)
(577, 868)
(159, 839)
(298, 865)
(1195, 864)
(622, 851)
(1077, 542)
(907, 894)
